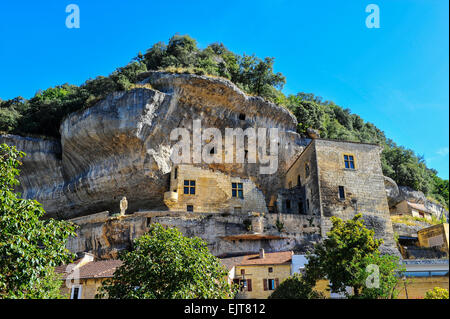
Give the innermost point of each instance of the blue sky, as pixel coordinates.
(395, 77)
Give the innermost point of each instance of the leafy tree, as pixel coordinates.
(295, 287)
(164, 264)
(343, 257)
(436, 293)
(30, 248)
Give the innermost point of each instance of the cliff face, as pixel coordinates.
(121, 146)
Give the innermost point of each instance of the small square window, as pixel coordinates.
(190, 208)
(237, 190)
(270, 269)
(349, 161)
(189, 187)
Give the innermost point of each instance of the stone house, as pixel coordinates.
(338, 178)
(434, 236)
(196, 189)
(83, 278)
(258, 275)
(412, 209)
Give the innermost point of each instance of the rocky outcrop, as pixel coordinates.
(121, 146)
(104, 235)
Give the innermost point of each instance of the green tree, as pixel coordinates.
(295, 287)
(343, 257)
(164, 264)
(30, 248)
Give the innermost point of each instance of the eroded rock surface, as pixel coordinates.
(121, 146)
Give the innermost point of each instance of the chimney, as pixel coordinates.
(261, 253)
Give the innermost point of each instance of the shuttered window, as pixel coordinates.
(249, 285)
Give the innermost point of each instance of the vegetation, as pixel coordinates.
(164, 264)
(42, 114)
(436, 293)
(412, 221)
(295, 288)
(347, 258)
(30, 248)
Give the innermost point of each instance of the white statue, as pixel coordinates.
(123, 205)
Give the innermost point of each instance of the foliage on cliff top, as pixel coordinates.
(30, 248)
(42, 114)
(164, 264)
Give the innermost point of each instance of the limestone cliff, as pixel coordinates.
(121, 146)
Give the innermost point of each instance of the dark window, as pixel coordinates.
(299, 182)
(271, 283)
(242, 271)
(341, 192)
(270, 269)
(237, 190)
(288, 204)
(189, 187)
(349, 161)
(76, 290)
(175, 173)
(212, 151)
(190, 208)
(306, 170)
(242, 117)
(307, 205)
(301, 209)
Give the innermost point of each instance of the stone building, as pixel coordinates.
(258, 275)
(83, 278)
(337, 178)
(196, 189)
(412, 209)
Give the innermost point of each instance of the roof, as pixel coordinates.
(230, 262)
(420, 207)
(276, 258)
(93, 269)
(251, 237)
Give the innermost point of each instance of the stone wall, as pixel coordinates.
(104, 235)
(363, 187)
(213, 192)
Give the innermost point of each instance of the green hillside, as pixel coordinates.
(42, 114)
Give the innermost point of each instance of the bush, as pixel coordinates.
(437, 293)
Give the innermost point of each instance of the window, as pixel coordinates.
(306, 169)
(290, 185)
(271, 284)
(242, 116)
(242, 271)
(270, 269)
(190, 208)
(341, 192)
(301, 210)
(175, 173)
(307, 205)
(288, 204)
(299, 182)
(238, 210)
(349, 161)
(189, 187)
(76, 292)
(237, 190)
(212, 151)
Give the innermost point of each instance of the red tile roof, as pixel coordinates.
(93, 269)
(276, 258)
